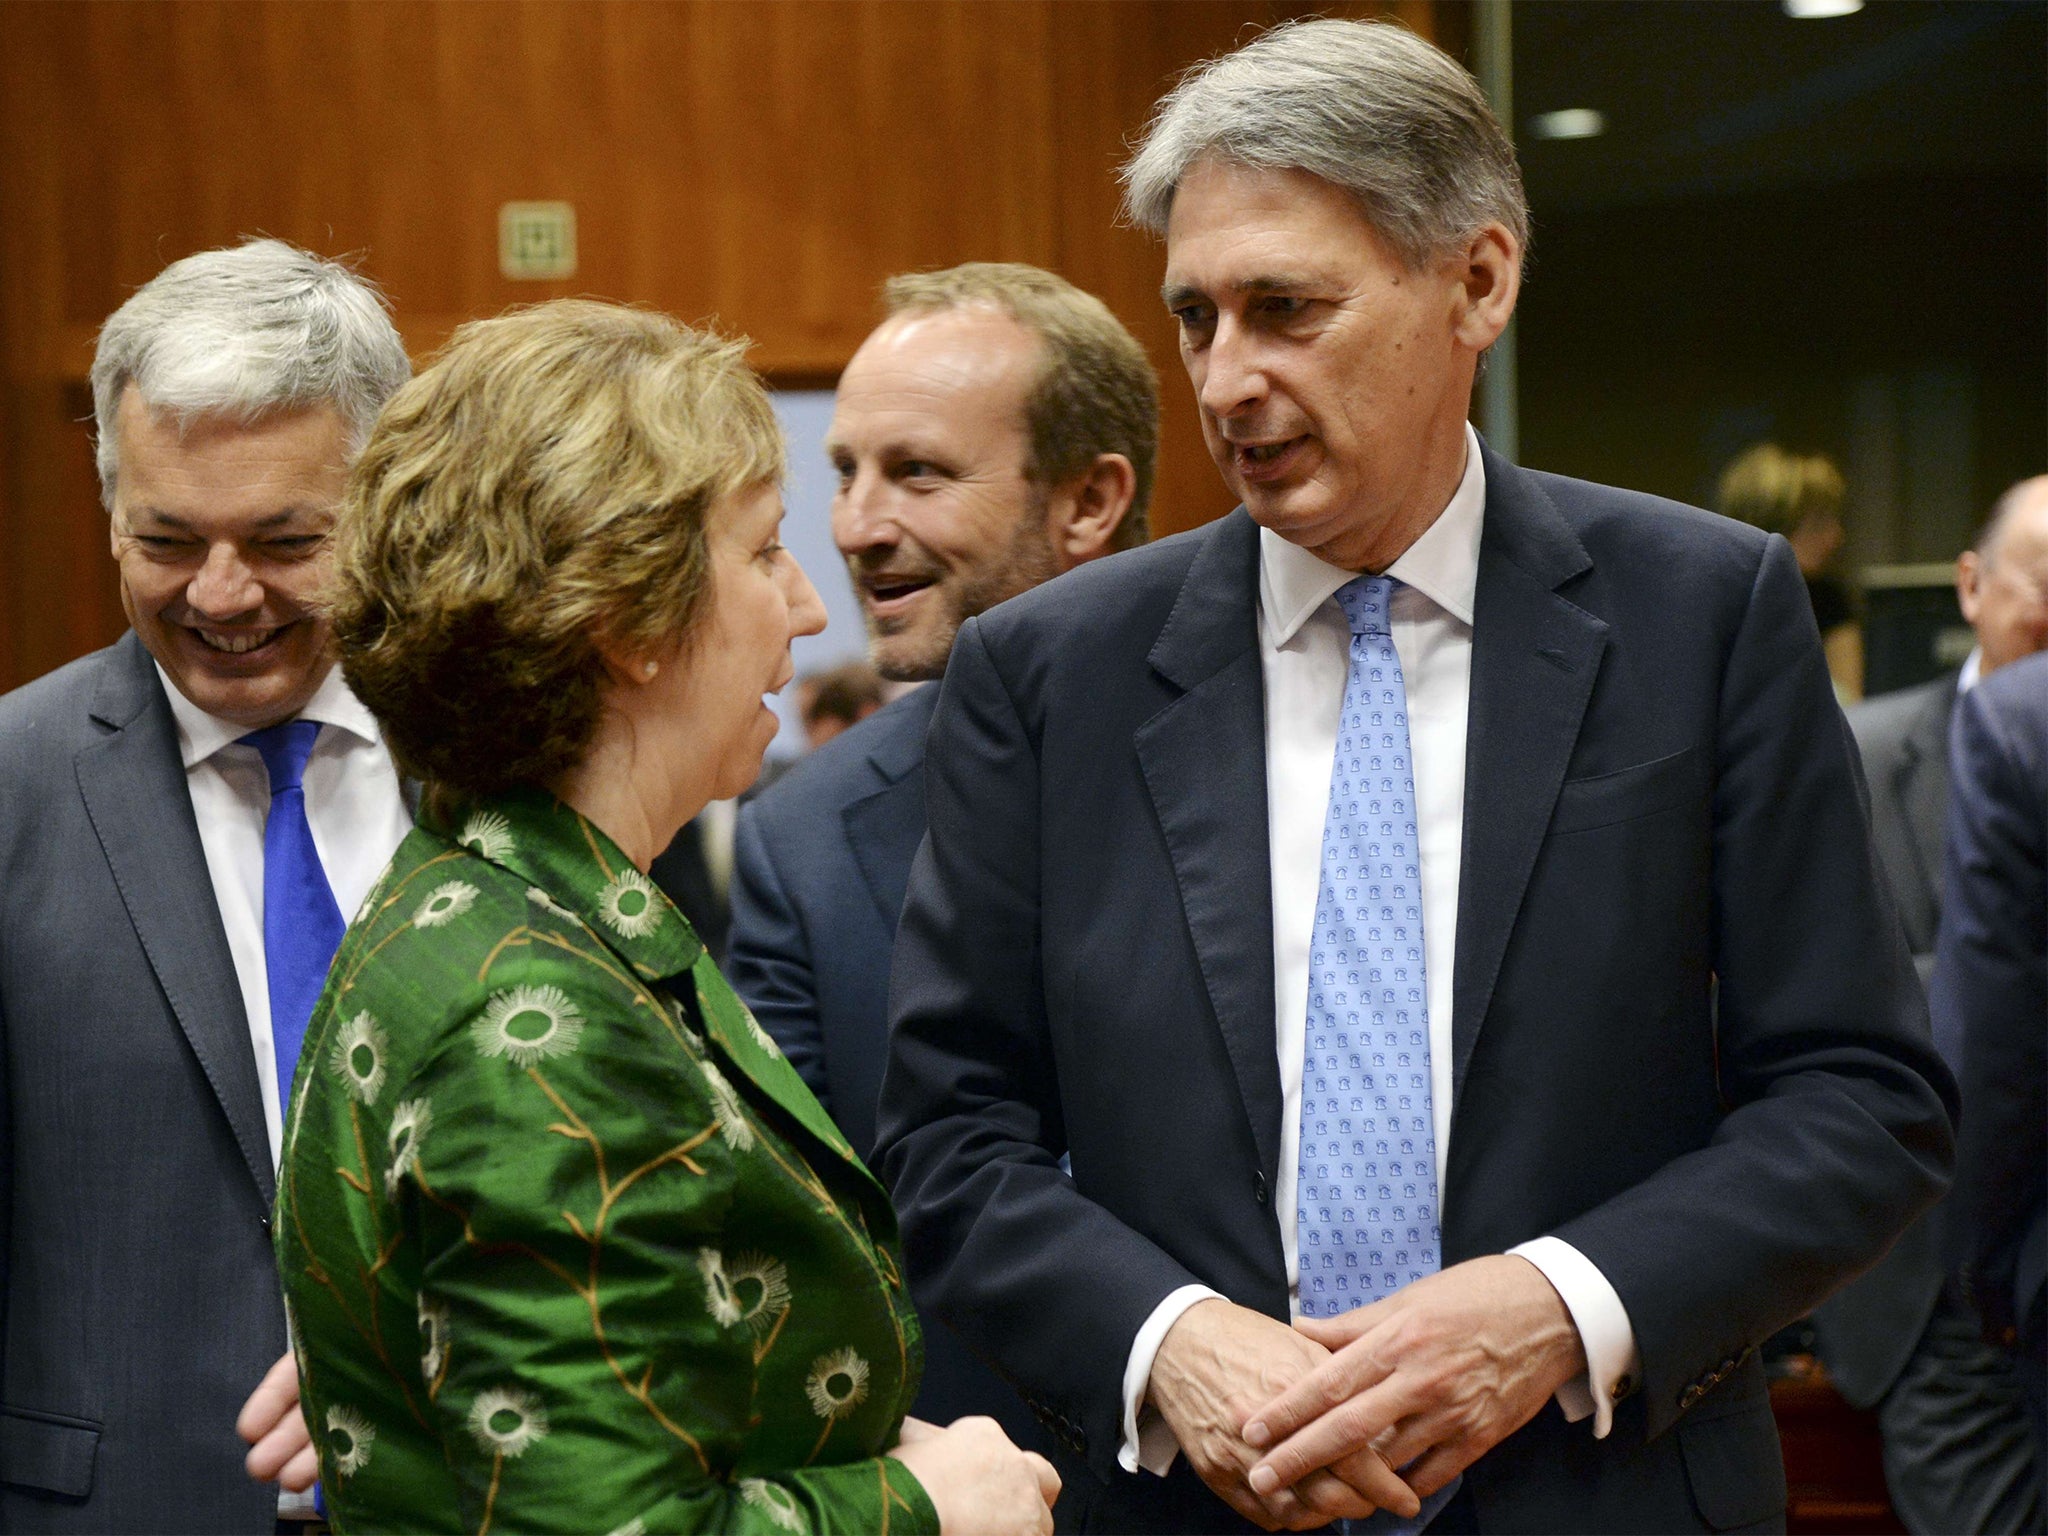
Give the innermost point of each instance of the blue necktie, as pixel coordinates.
(301, 923)
(1366, 1199)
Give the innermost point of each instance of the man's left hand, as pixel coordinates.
(1432, 1378)
(271, 1421)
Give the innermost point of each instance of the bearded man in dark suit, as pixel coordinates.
(1379, 898)
(997, 429)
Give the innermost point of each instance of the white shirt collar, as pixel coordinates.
(1973, 668)
(1442, 564)
(200, 735)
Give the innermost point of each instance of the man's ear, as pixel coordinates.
(1086, 512)
(1969, 584)
(1488, 281)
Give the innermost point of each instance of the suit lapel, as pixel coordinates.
(135, 793)
(1204, 762)
(1534, 658)
(884, 828)
(1921, 780)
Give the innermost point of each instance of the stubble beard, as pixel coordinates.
(918, 652)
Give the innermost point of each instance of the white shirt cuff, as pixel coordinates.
(1147, 1441)
(1613, 1363)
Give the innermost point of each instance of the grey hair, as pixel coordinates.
(1366, 105)
(244, 333)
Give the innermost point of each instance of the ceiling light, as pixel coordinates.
(1820, 10)
(1570, 123)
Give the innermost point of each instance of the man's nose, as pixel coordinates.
(860, 514)
(1233, 374)
(225, 586)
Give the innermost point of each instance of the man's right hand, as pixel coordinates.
(1217, 1364)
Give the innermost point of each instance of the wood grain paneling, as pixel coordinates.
(761, 165)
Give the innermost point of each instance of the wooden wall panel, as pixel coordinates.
(763, 165)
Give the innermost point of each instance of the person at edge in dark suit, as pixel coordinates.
(1360, 938)
(186, 820)
(1991, 1012)
(1958, 1450)
(998, 428)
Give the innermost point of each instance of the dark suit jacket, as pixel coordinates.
(1868, 1331)
(1991, 995)
(138, 1296)
(1659, 789)
(819, 863)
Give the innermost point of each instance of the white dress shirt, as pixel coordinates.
(358, 814)
(1304, 649)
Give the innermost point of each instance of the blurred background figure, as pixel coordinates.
(1991, 1013)
(1958, 1452)
(830, 701)
(1800, 496)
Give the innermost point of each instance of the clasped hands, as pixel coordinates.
(1335, 1418)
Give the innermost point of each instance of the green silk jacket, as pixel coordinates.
(566, 1244)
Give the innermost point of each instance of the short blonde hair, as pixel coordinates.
(1096, 392)
(1772, 489)
(541, 488)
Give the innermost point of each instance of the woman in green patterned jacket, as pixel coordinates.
(567, 1245)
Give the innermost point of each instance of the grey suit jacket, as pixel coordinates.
(1867, 1331)
(138, 1299)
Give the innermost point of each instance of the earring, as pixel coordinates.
(649, 668)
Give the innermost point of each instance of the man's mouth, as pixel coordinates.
(886, 593)
(235, 642)
(1260, 462)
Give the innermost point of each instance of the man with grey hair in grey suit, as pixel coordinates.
(186, 819)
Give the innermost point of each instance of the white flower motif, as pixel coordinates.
(774, 1501)
(489, 834)
(726, 1109)
(838, 1384)
(410, 1123)
(433, 1338)
(358, 1057)
(547, 903)
(506, 1421)
(761, 1036)
(527, 1023)
(349, 1439)
(444, 904)
(629, 905)
(718, 1297)
(748, 1270)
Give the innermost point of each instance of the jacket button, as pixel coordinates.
(1259, 1188)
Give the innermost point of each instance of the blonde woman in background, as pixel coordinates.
(567, 1244)
(1801, 496)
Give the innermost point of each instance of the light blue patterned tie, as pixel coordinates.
(301, 922)
(1366, 1199)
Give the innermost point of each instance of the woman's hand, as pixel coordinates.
(977, 1480)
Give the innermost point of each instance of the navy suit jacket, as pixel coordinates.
(819, 863)
(1659, 792)
(1991, 995)
(138, 1297)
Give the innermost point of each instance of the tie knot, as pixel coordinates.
(285, 749)
(1365, 602)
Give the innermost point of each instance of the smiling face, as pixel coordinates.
(1332, 381)
(710, 698)
(221, 532)
(935, 513)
